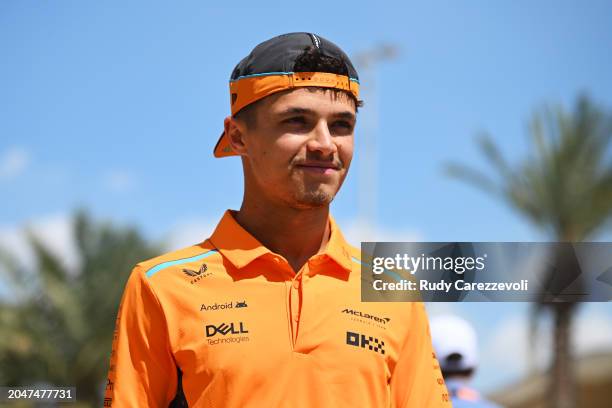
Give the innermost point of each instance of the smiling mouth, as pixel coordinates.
(314, 169)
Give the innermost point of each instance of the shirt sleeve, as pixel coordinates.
(142, 370)
(416, 380)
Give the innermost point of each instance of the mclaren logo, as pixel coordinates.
(357, 313)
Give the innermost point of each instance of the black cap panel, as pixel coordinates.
(278, 54)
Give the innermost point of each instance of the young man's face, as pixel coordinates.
(301, 147)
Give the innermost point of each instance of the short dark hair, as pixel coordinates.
(311, 60)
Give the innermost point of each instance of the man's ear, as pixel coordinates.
(236, 131)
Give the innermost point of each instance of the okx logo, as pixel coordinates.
(363, 341)
(225, 329)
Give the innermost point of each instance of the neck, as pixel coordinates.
(293, 233)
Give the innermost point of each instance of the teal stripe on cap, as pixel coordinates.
(164, 265)
(276, 73)
(261, 74)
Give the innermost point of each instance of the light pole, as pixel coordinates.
(367, 62)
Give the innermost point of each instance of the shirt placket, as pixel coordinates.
(295, 305)
(295, 302)
(293, 285)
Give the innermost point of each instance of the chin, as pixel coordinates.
(314, 199)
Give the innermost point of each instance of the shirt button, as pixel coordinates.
(296, 284)
(296, 318)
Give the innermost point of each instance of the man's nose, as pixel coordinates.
(322, 139)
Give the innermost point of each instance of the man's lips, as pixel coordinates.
(319, 168)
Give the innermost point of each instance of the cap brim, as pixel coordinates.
(223, 147)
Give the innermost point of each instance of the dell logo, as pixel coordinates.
(225, 329)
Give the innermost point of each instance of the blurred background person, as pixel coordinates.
(456, 348)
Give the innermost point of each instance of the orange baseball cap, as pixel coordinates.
(269, 69)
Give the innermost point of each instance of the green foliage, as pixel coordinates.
(564, 185)
(57, 328)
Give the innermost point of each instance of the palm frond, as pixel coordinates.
(493, 155)
(472, 176)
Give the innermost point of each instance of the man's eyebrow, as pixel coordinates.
(346, 115)
(294, 111)
(305, 111)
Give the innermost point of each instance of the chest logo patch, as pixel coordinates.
(366, 342)
(197, 275)
(225, 329)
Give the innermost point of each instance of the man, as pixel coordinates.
(267, 312)
(455, 343)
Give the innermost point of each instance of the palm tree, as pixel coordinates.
(563, 186)
(58, 326)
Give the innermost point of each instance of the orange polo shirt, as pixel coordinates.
(240, 328)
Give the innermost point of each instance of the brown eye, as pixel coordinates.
(297, 119)
(343, 127)
(344, 124)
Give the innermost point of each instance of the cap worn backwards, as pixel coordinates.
(269, 69)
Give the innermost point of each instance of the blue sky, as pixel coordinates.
(115, 106)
